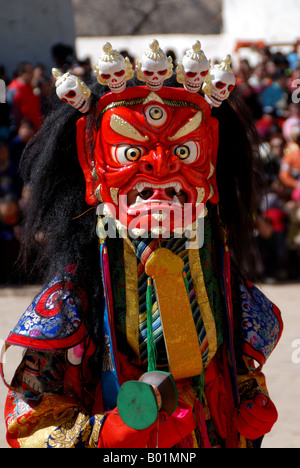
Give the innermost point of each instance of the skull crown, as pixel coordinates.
(155, 67)
(193, 68)
(219, 82)
(71, 89)
(114, 70)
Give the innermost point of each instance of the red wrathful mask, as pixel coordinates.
(152, 160)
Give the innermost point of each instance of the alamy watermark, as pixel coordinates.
(2, 343)
(156, 223)
(296, 93)
(2, 92)
(296, 352)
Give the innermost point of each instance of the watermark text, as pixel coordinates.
(2, 92)
(296, 92)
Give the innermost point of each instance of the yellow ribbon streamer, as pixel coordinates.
(132, 297)
(182, 343)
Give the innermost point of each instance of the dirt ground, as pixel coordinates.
(282, 369)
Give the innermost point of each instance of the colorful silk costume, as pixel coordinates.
(173, 301)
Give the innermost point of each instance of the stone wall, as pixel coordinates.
(140, 17)
(29, 28)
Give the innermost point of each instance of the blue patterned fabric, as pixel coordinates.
(109, 375)
(261, 323)
(52, 321)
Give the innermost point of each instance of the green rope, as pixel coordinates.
(151, 348)
(186, 283)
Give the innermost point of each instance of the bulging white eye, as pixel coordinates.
(188, 153)
(156, 116)
(125, 154)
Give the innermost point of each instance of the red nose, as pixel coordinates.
(157, 163)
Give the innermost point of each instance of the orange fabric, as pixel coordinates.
(292, 159)
(290, 163)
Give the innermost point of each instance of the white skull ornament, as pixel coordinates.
(70, 89)
(113, 70)
(193, 69)
(155, 67)
(219, 83)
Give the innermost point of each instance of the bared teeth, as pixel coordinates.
(141, 185)
(200, 194)
(106, 211)
(138, 232)
(212, 192)
(212, 170)
(159, 215)
(114, 194)
(176, 199)
(158, 230)
(139, 200)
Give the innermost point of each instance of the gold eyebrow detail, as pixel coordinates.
(153, 97)
(124, 128)
(189, 127)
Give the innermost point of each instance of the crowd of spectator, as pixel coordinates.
(29, 95)
(270, 89)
